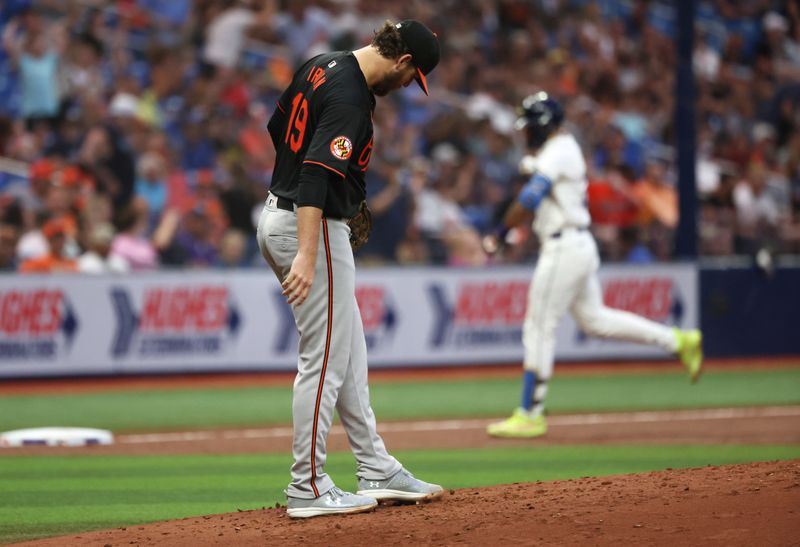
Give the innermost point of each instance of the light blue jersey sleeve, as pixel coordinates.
(534, 191)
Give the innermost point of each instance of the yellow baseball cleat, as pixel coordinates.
(519, 426)
(690, 351)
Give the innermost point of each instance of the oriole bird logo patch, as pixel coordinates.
(341, 147)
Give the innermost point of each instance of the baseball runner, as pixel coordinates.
(565, 278)
(314, 216)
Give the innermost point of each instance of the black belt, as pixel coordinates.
(288, 205)
(558, 234)
(285, 204)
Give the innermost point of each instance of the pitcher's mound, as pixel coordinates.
(749, 504)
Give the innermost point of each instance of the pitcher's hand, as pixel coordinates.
(298, 283)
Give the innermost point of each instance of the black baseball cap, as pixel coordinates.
(423, 45)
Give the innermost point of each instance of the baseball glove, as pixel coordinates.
(360, 226)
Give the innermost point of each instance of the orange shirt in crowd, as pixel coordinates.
(608, 205)
(656, 201)
(49, 264)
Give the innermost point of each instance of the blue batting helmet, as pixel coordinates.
(540, 115)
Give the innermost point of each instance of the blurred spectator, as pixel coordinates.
(613, 208)
(227, 30)
(103, 155)
(198, 151)
(757, 212)
(132, 243)
(91, 93)
(158, 101)
(304, 27)
(781, 50)
(791, 160)
(232, 250)
(464, 247)
(193, 245)
(441, 221)
(83, 72)
(33, 243)
(55, 231)
(9, 236)
(716, 227)
(717, 218)
(616, 151)
(239, 202)
(655, 196)
(255, 140)
(32, 196)
(634, 249)
(37, 52)
(97, 210)
(207, 200)
(65, 141)
(171, 14)
(98, 258)
(151, 186)
(657, 201)
(391, 204)
(60, 203)
(483, 181)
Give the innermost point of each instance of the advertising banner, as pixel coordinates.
(159, 322)
(238, 320)
(448, 316)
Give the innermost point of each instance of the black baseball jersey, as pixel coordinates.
(324, 119)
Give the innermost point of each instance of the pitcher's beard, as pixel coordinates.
(387, 85)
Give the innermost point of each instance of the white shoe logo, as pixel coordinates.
(373, 484)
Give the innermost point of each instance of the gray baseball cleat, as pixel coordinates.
(332, 502)
(401, 486)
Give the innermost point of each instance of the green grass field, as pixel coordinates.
(257, 406)
(44, 496)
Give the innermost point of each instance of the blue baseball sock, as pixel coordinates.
(528, 386)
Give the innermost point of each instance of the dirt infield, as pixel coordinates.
(754, 504)
(758, 425)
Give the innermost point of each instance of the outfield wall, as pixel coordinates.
(188, 321)
(748, 311)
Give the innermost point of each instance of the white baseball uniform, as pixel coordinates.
(565, 277)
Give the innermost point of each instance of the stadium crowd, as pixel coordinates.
(133, 132)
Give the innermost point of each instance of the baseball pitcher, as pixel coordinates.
(313, 217)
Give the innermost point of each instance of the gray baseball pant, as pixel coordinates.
(332, 357)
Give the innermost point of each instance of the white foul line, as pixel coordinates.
(460, 425)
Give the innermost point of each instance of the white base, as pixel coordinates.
(56, 436)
